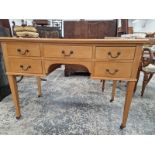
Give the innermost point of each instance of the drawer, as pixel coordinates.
(25, 66)
(124, 53)
(23, 49)
(56, 51)
(112, 69)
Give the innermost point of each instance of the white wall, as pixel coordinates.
(143, 25)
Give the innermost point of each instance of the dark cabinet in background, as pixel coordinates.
(83, 29)
(90, 29)
(4, 86)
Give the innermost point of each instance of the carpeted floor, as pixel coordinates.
(76, 105)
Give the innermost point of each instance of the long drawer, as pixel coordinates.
(125, 53)
(56, 51)
(25, 66)
(23, 49)
(112, 69)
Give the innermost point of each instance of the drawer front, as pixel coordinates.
(55, 51)
(112, 69)
(125, 53)
(23, 49)
(25, 66)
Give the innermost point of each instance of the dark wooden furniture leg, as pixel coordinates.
(39, 86)
(103, 85)
(113, 90)
(146, 79)
(128, 99)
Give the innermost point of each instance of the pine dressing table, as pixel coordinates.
(106, 59)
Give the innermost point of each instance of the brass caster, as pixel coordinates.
(39, 95)
(18, 117)
(111, 100)
(122, 126)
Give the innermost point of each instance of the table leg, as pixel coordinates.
(14, 91)
(128, 99)
(39, 86)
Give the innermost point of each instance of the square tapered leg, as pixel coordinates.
(15, 96)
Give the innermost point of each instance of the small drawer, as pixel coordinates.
(23, 49)
(56, 51)
(125, 53)
(25, 66)
(112, 69)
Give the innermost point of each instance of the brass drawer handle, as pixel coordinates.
(112, 73)
(70, 53)
(23, 52)
(25, 67)
(117, 55)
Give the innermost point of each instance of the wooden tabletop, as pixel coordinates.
(61, 40)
